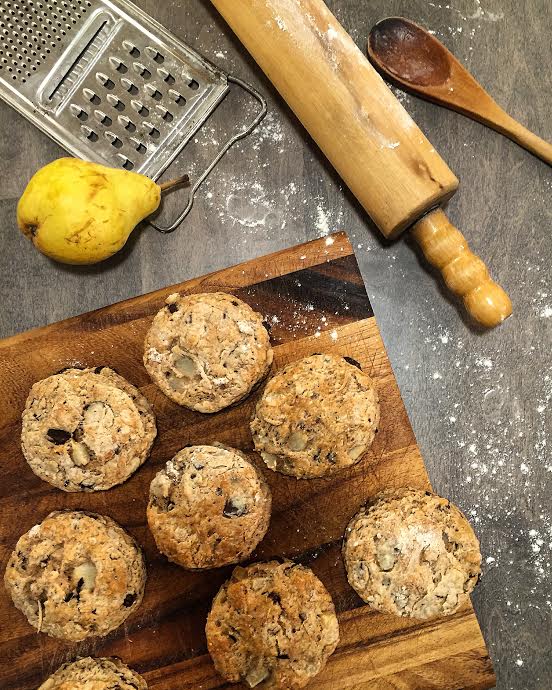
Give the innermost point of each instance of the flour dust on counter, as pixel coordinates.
(502, 434)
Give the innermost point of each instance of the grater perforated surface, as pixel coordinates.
(106, 81)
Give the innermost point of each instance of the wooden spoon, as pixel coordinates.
(415, 59)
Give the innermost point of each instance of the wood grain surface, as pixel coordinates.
(297, 290)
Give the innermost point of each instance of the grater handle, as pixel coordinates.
(227, 146)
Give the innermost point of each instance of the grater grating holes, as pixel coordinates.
(30, 30)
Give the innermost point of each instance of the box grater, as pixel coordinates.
(110, 84)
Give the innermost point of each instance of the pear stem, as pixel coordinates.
(183, 180)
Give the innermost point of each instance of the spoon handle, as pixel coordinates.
(497, 118)
(464, 273)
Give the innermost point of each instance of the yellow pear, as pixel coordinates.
(78, 212)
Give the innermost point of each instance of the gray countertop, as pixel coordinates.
(480, 404)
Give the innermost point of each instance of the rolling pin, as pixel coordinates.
(370, 139)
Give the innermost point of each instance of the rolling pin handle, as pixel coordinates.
(463, 272)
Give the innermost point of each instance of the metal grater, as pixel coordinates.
(109, 83)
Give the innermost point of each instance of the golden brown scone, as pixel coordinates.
(272, 625)
(412, 553)
(94, 674)
(207, 351)
(76, 575)
(208, 507)
(316, 417)
(86, 429)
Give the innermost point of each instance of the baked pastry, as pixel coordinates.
(316, 417)
(208, 507)
(94, 674)
(86, 429)
(412, 553)
(272, 625)
(207, 351)
(76, 575)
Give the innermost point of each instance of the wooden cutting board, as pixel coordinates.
(315, 301)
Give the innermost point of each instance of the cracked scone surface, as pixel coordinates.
(412, 553)
(95, 674)
(86, 429)
(272, 625)
(76, 575)
(208, 507)
(316, 417)
(207, 351)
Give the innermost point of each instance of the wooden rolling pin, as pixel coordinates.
(367, 135)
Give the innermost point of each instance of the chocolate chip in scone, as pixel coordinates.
(172, 308)
(59, 436)
(352, 361)
(276, 598)
(129, 600)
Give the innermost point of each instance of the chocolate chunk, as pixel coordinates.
(129, 600)
(59, 436)
(172, 308)
(274, 597)
(68, 597)
(80, 585)
(352, 361)
(267, 325)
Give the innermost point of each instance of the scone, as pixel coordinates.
(316, 417)
(272, 625)
(207, 351)
(208, 507)
(76, 575)
(412, 553)
(94, 674)
(86, 429)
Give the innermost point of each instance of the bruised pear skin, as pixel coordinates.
(78, 212)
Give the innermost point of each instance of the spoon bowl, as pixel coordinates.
(414, 59)
(409, 53)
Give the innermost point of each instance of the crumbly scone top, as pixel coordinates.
(412, 553)
(208, 507)
(207, 351)
(94, 674)
(316, 416)
(76, 575)
(86, 429)
(272, 625)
